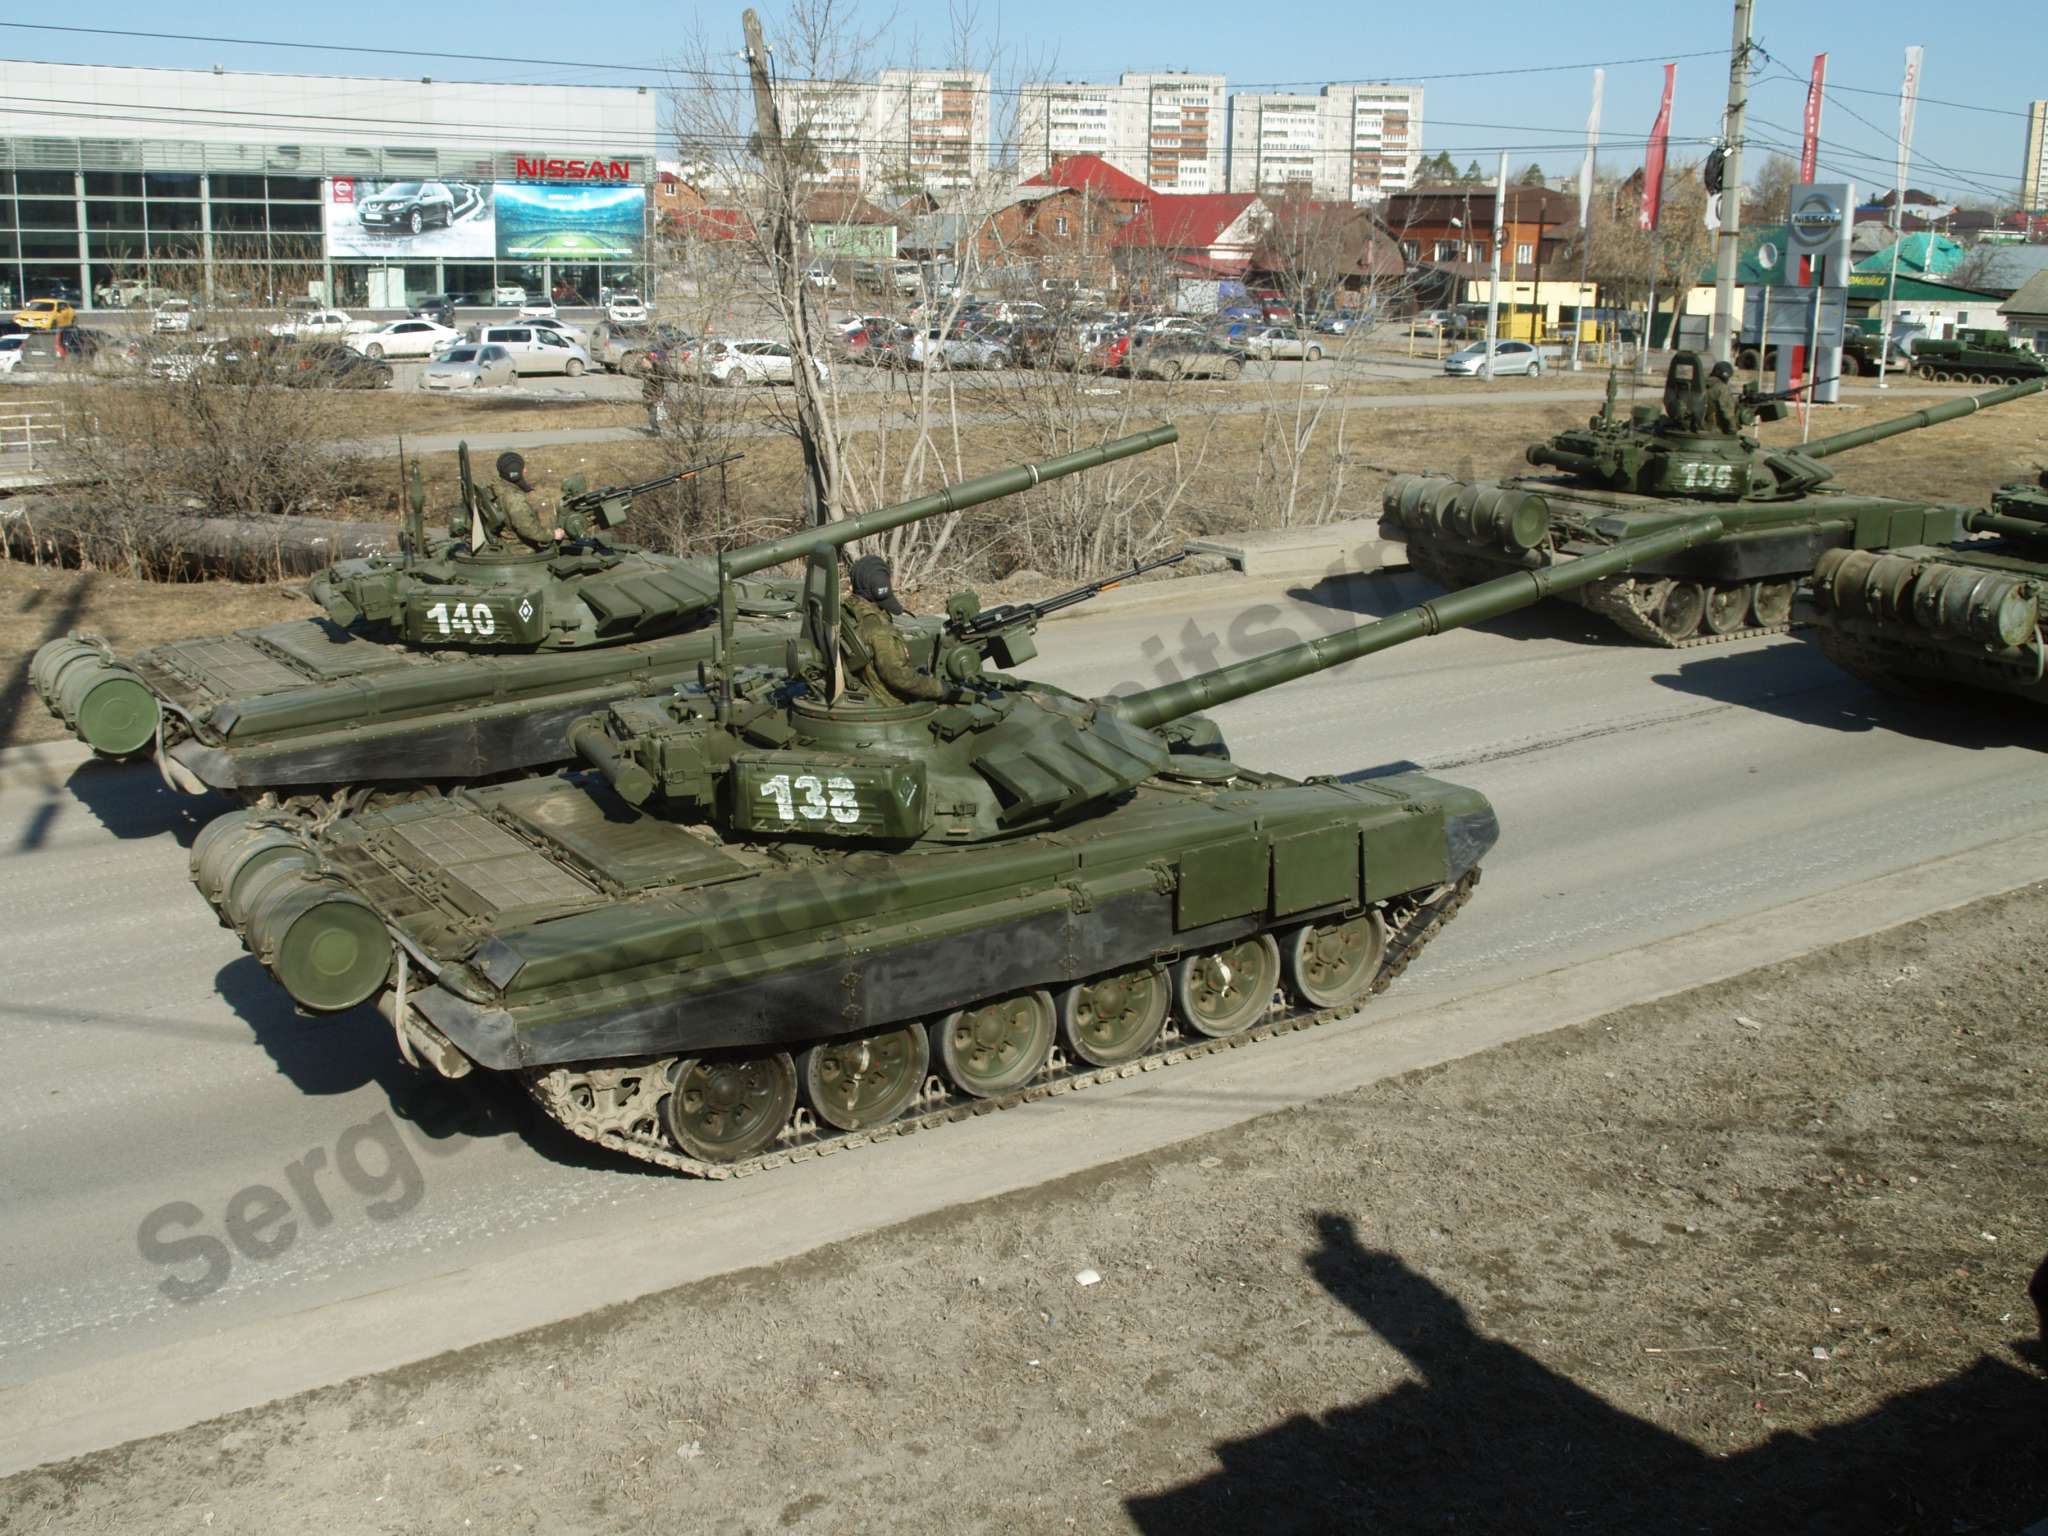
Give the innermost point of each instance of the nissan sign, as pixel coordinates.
(538, 169)
(1817, 223)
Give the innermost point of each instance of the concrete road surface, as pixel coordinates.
(195, 1175)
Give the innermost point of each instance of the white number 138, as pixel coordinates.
(809, 798)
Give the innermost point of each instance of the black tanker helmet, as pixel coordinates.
(871, 580)
(1723, 369)
(512, 469)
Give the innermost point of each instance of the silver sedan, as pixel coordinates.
(470, 367)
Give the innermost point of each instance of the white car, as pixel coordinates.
(172, 315)
(321, 322)
(1169, 325)
(470, 366)
(10, 351)
(625, 309)
(539, 309)
(1509, 357)
(821, 279)
(1270, 341)
(535, 348)
(508, 293)
(404, 338)
(754, 362)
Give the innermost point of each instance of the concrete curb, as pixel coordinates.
(755, 1222)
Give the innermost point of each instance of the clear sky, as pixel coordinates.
(1983, 64)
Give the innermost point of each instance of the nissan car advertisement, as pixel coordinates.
(482, 220)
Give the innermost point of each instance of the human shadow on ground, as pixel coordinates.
(1490, 1439)
(340, 1053)
(16, 692)
(1798, 683)
(1383, 593)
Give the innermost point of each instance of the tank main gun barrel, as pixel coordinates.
(2005, 524)
(1934, 415)
(1517, 589)
(954, 498)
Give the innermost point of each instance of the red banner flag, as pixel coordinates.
(1653, 158)
(1809, 147)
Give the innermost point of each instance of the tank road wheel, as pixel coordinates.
(1676, 609)
(1980, 378)
(724, 1109)
(1329, 964)
(989, 1050)
(1727, 609)
(1223, 990)
(1773, 602)
(1113, 1018)
(864, 1080)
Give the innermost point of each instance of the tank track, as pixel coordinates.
(1622, 601)
(628, 1094)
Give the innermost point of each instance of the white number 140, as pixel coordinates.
(468, 619)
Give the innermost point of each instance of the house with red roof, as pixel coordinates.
(1092, 173)
(1204, 235)
(1064, 221)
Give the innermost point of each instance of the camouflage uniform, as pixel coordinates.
(881, 663)
(1723, 414)
(509, 516)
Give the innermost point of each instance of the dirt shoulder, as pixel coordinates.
(1752, 1258)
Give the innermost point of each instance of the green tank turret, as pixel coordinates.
(463, 657)
(1966, 614)
(1629, 473)
(775, 916)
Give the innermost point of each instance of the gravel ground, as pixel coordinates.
(1750, 1259)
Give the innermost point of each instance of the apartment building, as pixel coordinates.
(1167, 129)
(1346, 143)
(2034, 169)
(912, 129)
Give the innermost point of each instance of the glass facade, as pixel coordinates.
(123, 237)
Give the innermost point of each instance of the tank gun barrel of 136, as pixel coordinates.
(1934, 415)
(954, 498)
(1517, 589)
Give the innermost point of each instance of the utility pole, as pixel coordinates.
(1500, 200)
(1728, 239)
(782, 210)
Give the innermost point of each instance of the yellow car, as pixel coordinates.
(46, 315)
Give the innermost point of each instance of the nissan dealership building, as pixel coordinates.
(229, 187)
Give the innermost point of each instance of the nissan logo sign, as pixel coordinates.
(1815, 218)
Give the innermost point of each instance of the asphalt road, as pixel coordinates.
(157, 1075)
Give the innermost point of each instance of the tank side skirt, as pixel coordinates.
(805, 1139)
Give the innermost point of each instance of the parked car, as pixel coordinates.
(328, 365)
(320, 322)
(538, 309)
(183, 360)
(403, 338)
(754, 362)
(535, 348)
(10, 350)
(1271, 341)
(1509, 357)
(128, 293)
(621, 348)
(1169, 325)
(173, 315)
(1177, 355)
(407, 207)
(45, 315)
(932, 348)
(821, 278)
(625, 309)
(470, 366)
(1335, 322)
(508, 293)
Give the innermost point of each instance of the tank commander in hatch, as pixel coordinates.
(877, 656)
(1723, 411)
(509, 516)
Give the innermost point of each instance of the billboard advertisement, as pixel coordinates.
(374, 217)
(570, 224)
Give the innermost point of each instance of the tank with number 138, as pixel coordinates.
(1626, 475)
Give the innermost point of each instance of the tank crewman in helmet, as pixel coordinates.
(877, 656)
(1724, 413)
(508, 514)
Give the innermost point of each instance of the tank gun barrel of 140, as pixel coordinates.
(1934, 415)
(954, 498)
(1517, 589)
